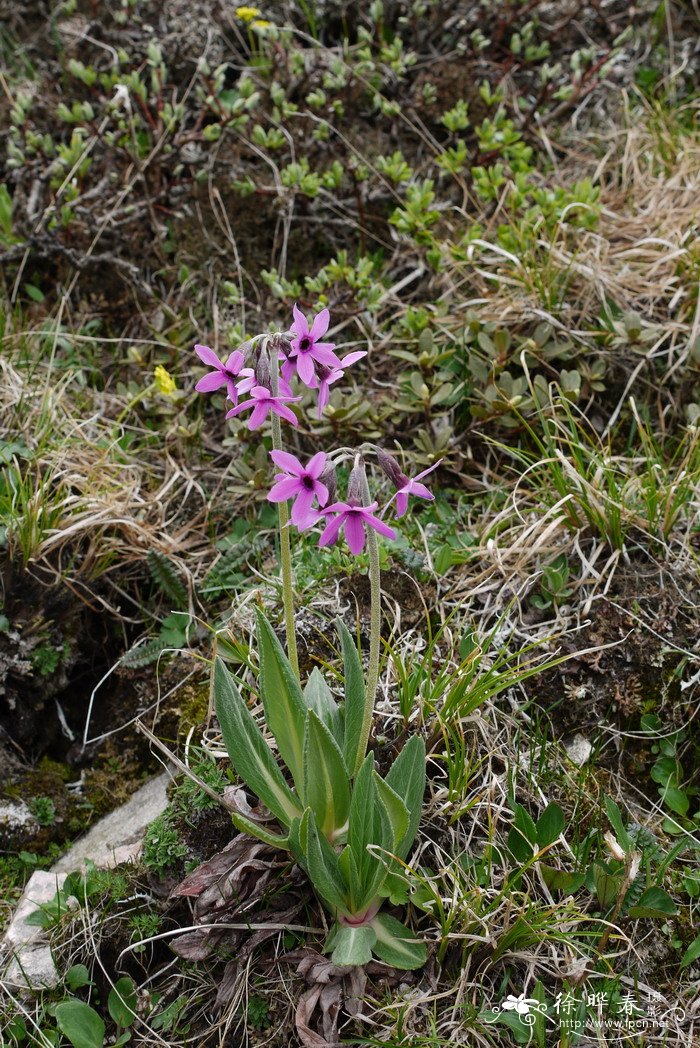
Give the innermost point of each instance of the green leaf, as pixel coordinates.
(351, 876)
(283, 702)
(561, 880)
(406, 777)
(80, 1024)
(675, 799)
(396, 809)
(396, 945)
(319, 698)
(369, 825)
(607, 885)
(617, 823)
(250, 755)
(550, 825)
(327, 784)
(122, 1002)
(357, 717)
(254, 829)
(692, 953)
(353, 945)
(77, 976)
(322, 865)
(655, 902)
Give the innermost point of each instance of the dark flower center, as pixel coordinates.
(304, 344)
(308, 482)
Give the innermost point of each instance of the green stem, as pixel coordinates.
(375, 591)
(285, 541)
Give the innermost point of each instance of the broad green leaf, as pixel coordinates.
(357, 718)
(319, 698)
(80, 1024)
(550, 825)
(283, 702)
(396, 810)
(296, 846)
(607, 886)
(351, 876)
(254, 829)
(369, 825)
(122, 1002)
(322, 865)
(561, 880)
(327, 784)
(353, 945)
(250, 755)
(396, 945)
(655, 902)
(407, 778)
(615, 819)
(692, 953)
(77, 976)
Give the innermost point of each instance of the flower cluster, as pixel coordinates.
(301, 353)
(258, 378)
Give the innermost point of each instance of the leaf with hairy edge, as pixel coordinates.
(351, 876)
(327, 784)
(357, 720)
(250, 755)
(322, 865)
(296, 847)
(369, 824)
(396, 810)
(406, 777)
(254, 829)
(396, 945)
(319, 698)
(283, 702)
(352, 945)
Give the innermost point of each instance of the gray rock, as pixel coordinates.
(117, 837)
(27, 956)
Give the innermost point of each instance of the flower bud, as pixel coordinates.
(329, 478)
(390, 466)
(263, 375)
(357, 482)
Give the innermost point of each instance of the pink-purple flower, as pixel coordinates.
(326, 376)
(301, 483)
(306, 349)
(353, 519)
(263, 403)
(413, 487)
(224, 374)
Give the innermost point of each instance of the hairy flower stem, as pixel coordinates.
(375, 591)
(285, 541)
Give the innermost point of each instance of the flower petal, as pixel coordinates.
(315, 465)
(284, 412)
(321, 493)
(288, 488)
(419, 476)
(208, 356)
(301, 325)
(352, 358)
(259, 414)
(302, 508)
(355, 532)
(320, 324)
(235, 362)
(421, 491)
(305, 367)
(380, 526)
(214, 380)
(401, 503)
(289, 463)
(323, 353)
(330, 533)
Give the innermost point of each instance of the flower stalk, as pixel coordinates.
(375, 591)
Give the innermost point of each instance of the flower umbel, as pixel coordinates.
(262, 402)
(301, 483)
(353, 519)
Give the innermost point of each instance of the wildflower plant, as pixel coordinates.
(348, 827)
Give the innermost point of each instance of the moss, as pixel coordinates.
(192, 707)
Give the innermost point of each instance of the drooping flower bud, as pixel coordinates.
(357, 483)
(330, 479)
(263, 373)
(391, 467)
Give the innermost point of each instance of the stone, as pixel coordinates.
(30, 964)
(578, 750)
(118, 836)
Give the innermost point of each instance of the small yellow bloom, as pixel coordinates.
(260, 23)
(247, 14)
(164, 381)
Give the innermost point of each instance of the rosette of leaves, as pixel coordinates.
(346, 826)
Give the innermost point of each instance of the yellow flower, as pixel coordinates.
(164, 381)
(247, 14)
(260, 23)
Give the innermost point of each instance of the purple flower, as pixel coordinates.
(301, 483)
(262, 402)
(354, 519)
(306, 349)
(412, 487)
(326, 376)
(223, 374)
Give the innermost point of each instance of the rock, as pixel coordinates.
(30, 965)
(578, 750)
(118, 836)
(16, 820)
